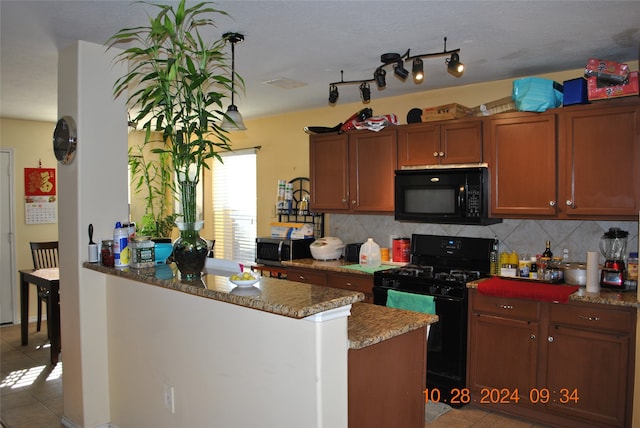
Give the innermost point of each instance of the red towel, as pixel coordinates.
(526, 290)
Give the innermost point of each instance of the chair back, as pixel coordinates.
(45, 254)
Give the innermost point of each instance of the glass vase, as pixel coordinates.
(190, 251)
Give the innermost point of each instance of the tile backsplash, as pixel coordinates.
(521, 236)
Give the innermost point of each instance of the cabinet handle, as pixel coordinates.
(569, 202)
(344, 201)
(441, 154)
(353, 202)
(509, 307)
(435, 154)
(301, 278)
(550, 339)
(552, 203)
(532, 337)
(589, 318)
(349, 284)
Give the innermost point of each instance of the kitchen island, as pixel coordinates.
(271, 355)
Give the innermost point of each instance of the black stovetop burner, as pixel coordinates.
(440, 266)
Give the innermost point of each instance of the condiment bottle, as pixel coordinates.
(547, 250)
(494, 266)
(533, 270)
(106, 252)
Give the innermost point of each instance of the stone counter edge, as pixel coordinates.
(336, 297)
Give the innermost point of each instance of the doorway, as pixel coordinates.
(7, 238)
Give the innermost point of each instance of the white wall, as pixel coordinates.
(92, 190)
(229, 366)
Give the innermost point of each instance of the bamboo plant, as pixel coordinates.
(177, 81)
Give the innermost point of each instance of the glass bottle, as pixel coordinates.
(547, 250)
(494, 265)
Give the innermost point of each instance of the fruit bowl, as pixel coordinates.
(245, 279)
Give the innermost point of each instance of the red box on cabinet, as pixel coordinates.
(596, 90)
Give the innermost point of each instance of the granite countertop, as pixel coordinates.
(605, 297)
(287, 298)
(370, 324)
(336, 266)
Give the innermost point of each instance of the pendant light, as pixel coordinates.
(233, 119)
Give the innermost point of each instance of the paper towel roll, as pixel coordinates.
(593, 281)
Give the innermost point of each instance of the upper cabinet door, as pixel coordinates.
(522, 151)
(418, 144)
(461, 142)
(329, 172)
(601, 157)
(372, 165)
(440, 143)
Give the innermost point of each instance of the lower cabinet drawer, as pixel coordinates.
(527, 310)
(592, 316)
(354, 282)
(308, 276)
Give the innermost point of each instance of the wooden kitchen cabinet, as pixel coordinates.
(353, 172)
(523, 164)
(307, 276)
(589, 356)
(578, 162)
(440, 143)
(503, 347)
(581, 355)
(387, 381)
(600, 155)
(344, 280)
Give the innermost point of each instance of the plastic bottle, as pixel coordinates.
(533, 270)
(120, 245)
(370, 254)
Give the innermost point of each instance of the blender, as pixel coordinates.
(613, 246)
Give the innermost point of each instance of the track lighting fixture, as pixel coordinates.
(365, 92)
(454, 67)
(400, 71)
(333, 94)
(417, 70)
(232, 120)
(379, 77)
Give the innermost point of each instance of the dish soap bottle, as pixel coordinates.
(370, 254)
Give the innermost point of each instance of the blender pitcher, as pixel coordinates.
(613, 246)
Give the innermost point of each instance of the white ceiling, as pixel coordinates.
(312, 41)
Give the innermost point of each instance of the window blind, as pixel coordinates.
(235, 206)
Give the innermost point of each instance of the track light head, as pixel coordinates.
(379, 77)
(365, 92)
(400, 71)
(333, 94)
(454, 66)
(418, 70)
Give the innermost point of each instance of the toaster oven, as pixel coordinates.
(273, 251)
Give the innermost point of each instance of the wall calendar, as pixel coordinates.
(40, 200)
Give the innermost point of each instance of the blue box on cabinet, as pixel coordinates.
(575, 92)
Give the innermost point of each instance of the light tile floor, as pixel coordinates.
(31, 389)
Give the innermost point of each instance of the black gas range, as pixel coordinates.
(440, 267)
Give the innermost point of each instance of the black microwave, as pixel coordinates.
(443, 195)
(273, 251)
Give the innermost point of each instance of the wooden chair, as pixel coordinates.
(45, 255)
